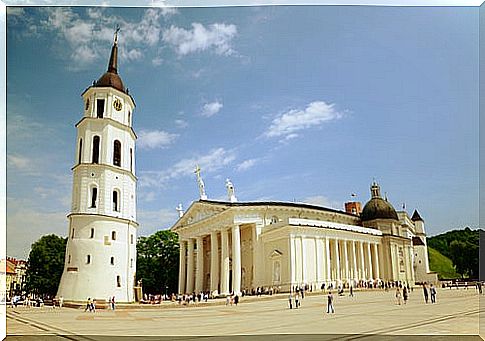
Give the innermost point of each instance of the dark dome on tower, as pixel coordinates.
(378, 208)
(111, 78)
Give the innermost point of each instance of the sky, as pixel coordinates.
(292, 103)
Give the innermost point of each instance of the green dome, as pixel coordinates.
(378, 208)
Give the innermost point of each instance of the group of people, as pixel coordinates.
(91, 304)
(432, 292)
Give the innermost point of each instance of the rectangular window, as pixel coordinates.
(92, 233)
(88, 259)
(100, 108)
(131, 239)
(118, 281)
(72, 234)
(113, 235)
(112, 261)
(94, 196)
(131, 262)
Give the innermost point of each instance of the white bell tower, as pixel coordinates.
(100, 259)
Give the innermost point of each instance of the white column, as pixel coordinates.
(354, 259)
(327, 256)
(292, 262)
(362, 264)
(182, 266)
(346, 258)
(190, 266)
(224, 261)
(318, 258)
(199, 282)
(236, 259)
(214, 262)
(369, 256)
(376, 259)
(303, 260)
(337, 260)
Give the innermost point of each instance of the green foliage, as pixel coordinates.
(158, 262)
(45, 265)
(462, 247)
(441, 264)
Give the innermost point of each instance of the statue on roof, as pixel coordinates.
(200, 182)
(231, 195)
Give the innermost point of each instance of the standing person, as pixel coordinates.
(236, 299)
(405, 293)
(398, 295)
(88, 305)
(61, 301)
(351, 291)
(113, 303)
(330, 303)
(297, 299)
(432, 291)
(290, 301)
(93, 305)
(425, 292)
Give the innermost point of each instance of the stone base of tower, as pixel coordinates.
(100, 260)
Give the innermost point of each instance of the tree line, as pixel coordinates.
(462, 247)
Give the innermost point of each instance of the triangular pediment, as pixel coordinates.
(276, 254)
(198, 211)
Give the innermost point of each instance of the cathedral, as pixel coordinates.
(100, 258)
(228, 247)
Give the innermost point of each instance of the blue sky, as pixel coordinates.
(291, 103)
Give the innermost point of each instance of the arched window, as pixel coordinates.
(88, 259)
(69, 260)
(92, 233)
(113, 235)
(118, 281)
(116, 201)
(112, 261)
(96, 149)
(131, 239)
(117, 153)
(72, 234)
(129, 117)
(94, 196)
(80, 150)
(131, 159)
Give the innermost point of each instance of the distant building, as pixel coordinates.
(233, 246)
(15, 273)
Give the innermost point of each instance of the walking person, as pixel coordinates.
(432, 291)
(113, 303)
(61, 301)
(330, 303)
(236, 299)
(351, 291)
(88, 305)
(297, 299)
(425, 292)
(290, 301)
(398, 295)
(405, 293)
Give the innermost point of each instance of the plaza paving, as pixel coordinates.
(367, 314)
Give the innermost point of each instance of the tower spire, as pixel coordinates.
(113, 59)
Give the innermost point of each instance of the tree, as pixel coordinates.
(158, 262)
(458, 256)
(45, 265)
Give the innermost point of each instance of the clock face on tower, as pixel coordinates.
(117, 104)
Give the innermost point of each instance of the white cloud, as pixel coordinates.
(289, 123)
(323, 201)
(210, 109)
(19, 162)
(216, 36)
(246, 164)
(213, 161)
(157, 61)
(150, 139)
(181, 123)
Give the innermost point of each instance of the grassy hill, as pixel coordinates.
(441, 264)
